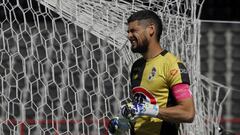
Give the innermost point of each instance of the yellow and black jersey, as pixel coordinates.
(151, 81)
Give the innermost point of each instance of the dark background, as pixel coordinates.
(226, 10)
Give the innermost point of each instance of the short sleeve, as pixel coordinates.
(177, 73)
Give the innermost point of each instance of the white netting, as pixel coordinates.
(64, 64)
(209, 99)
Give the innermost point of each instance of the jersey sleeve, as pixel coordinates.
(177, 73)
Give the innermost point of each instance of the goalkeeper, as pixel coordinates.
(161, 98)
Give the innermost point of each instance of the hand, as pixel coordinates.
(118, 125)
(113, 125)
(132, 110)
(128, 111)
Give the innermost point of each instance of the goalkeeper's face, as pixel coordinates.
(138, 38)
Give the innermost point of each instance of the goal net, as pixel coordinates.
(64, 64)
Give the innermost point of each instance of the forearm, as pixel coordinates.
(175, 114)
(184, 110)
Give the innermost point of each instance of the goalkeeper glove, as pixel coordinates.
(132, 110)
(118, 125)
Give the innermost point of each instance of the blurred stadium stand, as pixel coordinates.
(220, 53)
(220, 61)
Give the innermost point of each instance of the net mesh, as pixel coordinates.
(64, 64)
(210, 97)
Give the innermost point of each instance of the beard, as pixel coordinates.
(141, 47)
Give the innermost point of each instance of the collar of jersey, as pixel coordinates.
(153, 58)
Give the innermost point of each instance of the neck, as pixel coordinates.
(154, 49)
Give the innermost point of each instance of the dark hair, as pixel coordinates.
(151, 17)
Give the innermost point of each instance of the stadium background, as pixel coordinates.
(220, 54)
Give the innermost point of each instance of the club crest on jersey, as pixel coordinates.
(152, 74)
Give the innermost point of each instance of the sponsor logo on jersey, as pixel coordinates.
(173, 72)
(135, 73)
(183, 71)
(135, 76)
(140, 94)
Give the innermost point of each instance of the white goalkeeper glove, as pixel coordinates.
(132, 110)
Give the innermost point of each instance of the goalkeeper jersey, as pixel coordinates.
(151, 81)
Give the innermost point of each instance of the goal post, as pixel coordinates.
(64, 64)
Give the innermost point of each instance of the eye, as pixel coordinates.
(131, 30)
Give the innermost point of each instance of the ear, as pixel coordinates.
(151, 29)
